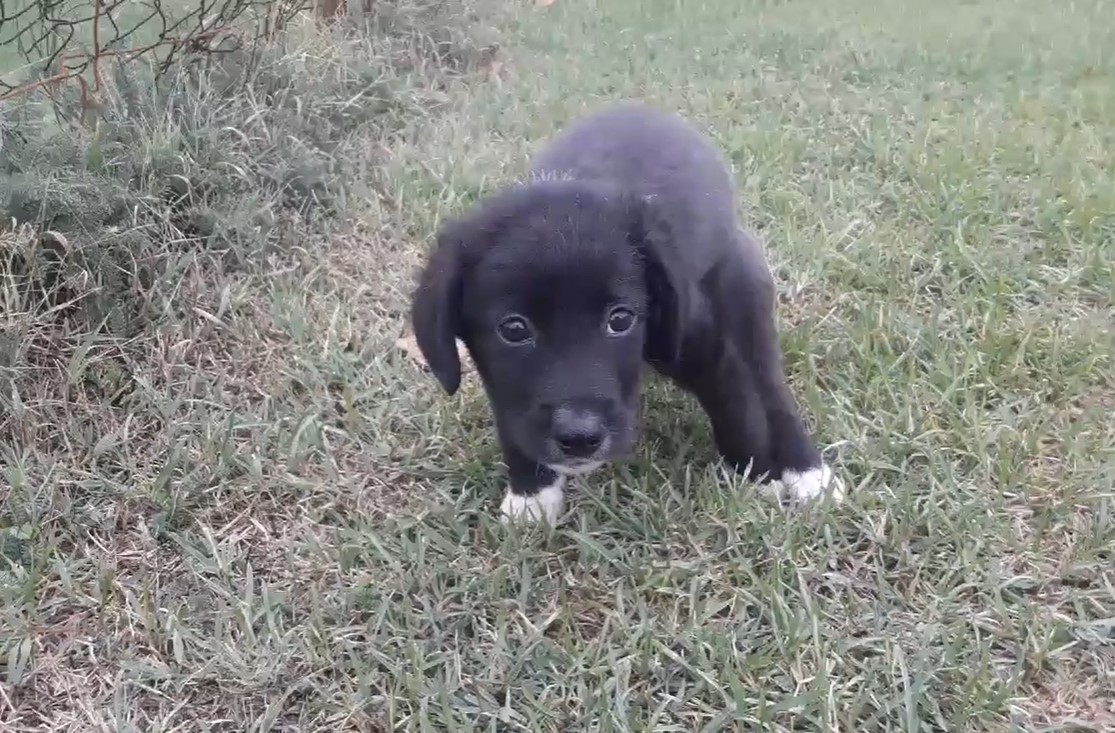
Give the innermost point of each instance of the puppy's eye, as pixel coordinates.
(620, 321)
(514, 330)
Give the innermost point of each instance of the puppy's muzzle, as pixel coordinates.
(579, 434)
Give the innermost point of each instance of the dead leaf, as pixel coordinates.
(493, 72)
(408, 344)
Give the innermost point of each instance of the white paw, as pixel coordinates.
(809, 485)
(546, 505)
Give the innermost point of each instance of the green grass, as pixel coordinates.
(280, 523)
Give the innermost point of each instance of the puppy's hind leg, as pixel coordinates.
(534, 493)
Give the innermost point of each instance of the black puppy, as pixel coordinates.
(623, 248)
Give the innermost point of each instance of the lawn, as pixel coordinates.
(256, 513)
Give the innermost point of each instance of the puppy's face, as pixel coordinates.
(554, 291)
(555, 319)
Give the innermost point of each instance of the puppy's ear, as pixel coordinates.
(667, 286)
(435, 311)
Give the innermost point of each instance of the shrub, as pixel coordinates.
(216, 166)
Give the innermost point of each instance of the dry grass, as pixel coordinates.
(241, 507)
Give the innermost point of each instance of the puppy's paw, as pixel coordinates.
(546, 505)
(809, 485)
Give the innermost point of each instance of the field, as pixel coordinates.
(230, 502)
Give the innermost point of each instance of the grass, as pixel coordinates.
(254, 513)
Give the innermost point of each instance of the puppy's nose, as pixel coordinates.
(578, 433)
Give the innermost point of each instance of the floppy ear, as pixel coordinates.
(436, 307)
(435, 311)
(670, 299)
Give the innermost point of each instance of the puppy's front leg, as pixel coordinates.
(716, 373)
(753, 329)
(534, 491)
(803, 473)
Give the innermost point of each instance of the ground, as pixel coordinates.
(285, 526)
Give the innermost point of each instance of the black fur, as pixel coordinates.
(629, 208)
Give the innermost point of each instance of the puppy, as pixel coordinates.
(623, 248)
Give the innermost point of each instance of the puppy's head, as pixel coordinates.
(558, 290)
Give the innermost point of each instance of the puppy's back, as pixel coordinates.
(636, 145)
(650, 152)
